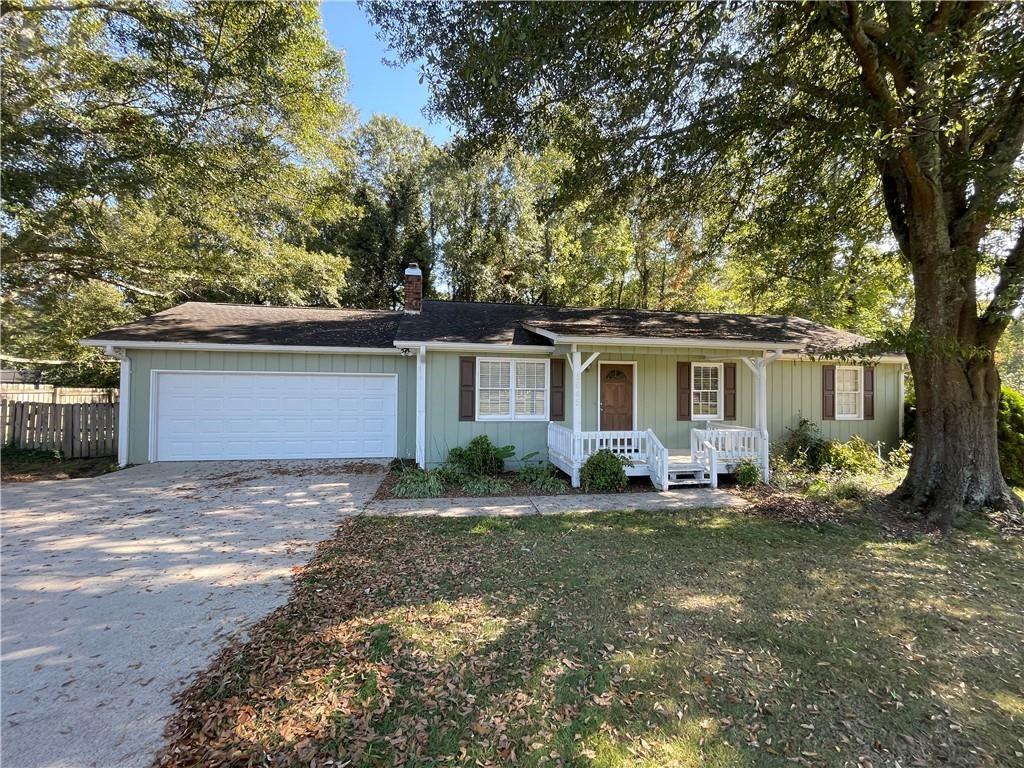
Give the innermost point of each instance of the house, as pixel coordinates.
(684, 395)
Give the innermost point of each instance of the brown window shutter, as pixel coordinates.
(869, 392)
(729, 371)
(682, 391)
(828, 392)
(557, 391)
(467, 389)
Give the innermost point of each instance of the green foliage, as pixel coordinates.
(854, 456)
(486, 486)
(160, 151)
(391, 230)
(899, 458)
(1011, 436)
(1010, 355)
(480, 457)
(541, 476)
(13, 455)
(416, 483)
(452, 473)
(803, 445)
(748, 474)
(604, 472)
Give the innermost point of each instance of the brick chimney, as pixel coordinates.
(413, 288)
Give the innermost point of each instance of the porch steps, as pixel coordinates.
(688, 473)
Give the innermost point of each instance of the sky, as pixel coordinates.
(374, 87)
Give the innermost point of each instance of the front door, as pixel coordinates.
(616, 396)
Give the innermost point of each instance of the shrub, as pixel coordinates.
(452, 473)
(748, 474)
(486, 486)
(899, 458)
(856, 456)
(416, 483)
(1011, 436)
(541, 476)
(481, 457)
(604, 471)
(804, 445)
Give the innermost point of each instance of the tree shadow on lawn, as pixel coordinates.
(622, 639)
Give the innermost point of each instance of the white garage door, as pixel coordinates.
(273, 416)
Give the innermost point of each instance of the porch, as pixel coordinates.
(716, 450)
(671, 412)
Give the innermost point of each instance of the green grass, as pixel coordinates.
(623, 639)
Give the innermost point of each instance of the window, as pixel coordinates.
(849, 391)
(512, 390)
(706, 389)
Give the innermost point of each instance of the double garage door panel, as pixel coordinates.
(274, 416)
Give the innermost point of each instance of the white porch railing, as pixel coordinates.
(717, 448)
(569, 450)
(722, 447)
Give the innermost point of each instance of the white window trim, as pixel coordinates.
(719, 414)
(859, 415)
(512, 416)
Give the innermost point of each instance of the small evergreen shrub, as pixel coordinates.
(486, 486)
(1011, 436)
(855, 456)
(416, 483)
(748, 474)
(481, 457)
(604, 471)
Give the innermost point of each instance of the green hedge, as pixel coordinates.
(1011, 436)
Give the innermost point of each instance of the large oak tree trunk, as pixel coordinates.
(955, 464)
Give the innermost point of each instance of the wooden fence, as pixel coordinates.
(78, 430)
(46, 393)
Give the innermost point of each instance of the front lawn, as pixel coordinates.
(689, 639)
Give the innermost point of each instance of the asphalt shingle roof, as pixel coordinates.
(468, 323)
(202, 322)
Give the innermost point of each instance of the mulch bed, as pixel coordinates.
(386, 490)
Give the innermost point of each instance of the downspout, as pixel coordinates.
(123, 402)
(421, 406)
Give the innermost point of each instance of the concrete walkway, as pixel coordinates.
(514, 506)
(116, 589)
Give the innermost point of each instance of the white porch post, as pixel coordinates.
(577, 393)
(577, 365)
(759, 367)
(421, 407)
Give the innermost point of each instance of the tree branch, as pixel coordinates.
(1007, 296)
(998, 158)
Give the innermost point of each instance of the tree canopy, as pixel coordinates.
(791, 131)
(167, 150)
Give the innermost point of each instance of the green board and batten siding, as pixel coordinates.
(794, 389)
(444, 431)
(143, 362)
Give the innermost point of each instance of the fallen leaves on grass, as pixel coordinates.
(620, 639)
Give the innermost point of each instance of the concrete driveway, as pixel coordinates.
(117, 588)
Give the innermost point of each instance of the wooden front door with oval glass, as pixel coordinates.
(616, 396)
